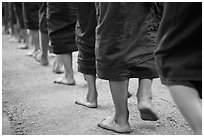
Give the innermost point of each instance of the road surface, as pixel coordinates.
(33, 105)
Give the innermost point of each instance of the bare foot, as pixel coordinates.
(30, 53)
(23, 46)
(146, 111)
(13, 39)
(43, 60)
(58, 67)
(110, 124)
(86, 103)
(64, 80)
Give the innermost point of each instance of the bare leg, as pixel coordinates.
(34, 37)
(43, 56)
(91, 97)
(11, 29)
(68, 78)
(26, 43)
(18, 33)
(189, 104)
(144, 96)
(5, 25)
(119, 121)
(29, 38)
(44, 46)
(58, 65)
(24, 33)
(14, 33)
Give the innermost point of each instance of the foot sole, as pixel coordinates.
(113, 127)
(148, 115)
(86, 104)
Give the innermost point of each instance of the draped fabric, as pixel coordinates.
(11, 14)
(125, 40)
(85, 37)
(179, 52)
(5, 15)
(31, 13)
(18, 8)
(61, 17)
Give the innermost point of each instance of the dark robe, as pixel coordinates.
(85, 37)
(125, 40)
(11, 14)
(18, 8)
(61, 19)
(5, 16)
(179, 52)
(31, 13)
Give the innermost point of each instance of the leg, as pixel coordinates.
(144, 96)
(18, 32)
(6, 28)
(43, 56)
(68, 78)
(30, 41)
(24, 33)
(119, 121)
(189, 104)
(58, 65)
(35, 39)
(91, 97)
(20, 35)
(25, 39)
(12, 30)
(13, 33)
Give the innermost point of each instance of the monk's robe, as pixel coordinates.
(85, 37)
(125, 40)
(61, 19)
(31, 15)
(179, 52)
(18, 9)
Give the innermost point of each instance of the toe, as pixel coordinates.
(112, 126)
(86, 104)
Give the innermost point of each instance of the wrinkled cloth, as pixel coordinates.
(179, 52)
(5, 15)
(18, 9)
(85, 37)
(61, 17)
(11, 14)
(31, 12)
(125, 40)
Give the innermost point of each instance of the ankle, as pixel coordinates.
(69, 76)
(44, 56)
(122, 118)
(144, 99)
(143, 95)
(92, 95)
(92, 100)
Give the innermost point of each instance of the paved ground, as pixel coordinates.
(32, 104)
